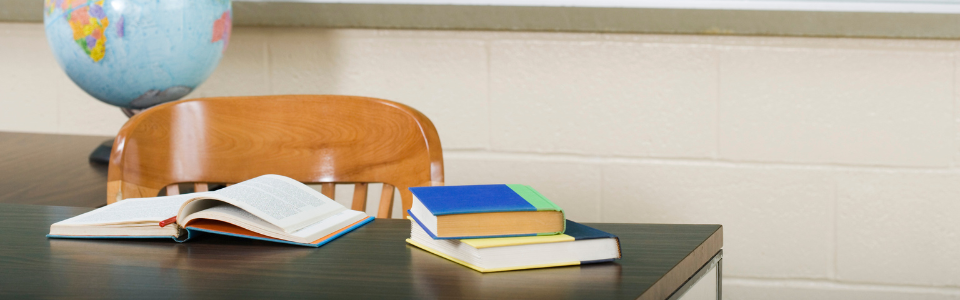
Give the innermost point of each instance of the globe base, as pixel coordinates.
(101, 155)
(130, 111)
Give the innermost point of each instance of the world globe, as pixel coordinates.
(135, 54)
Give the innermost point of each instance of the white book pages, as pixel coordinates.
(279, 200)
(236, 216)
(329, 225)
(418, 210)
(136, 210)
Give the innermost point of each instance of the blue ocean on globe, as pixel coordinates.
(138, 53)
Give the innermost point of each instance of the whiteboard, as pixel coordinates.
(892, 6)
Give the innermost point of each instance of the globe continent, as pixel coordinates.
(138, 53)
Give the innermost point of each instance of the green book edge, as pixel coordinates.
(539, 202)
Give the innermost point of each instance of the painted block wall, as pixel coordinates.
(833, 164)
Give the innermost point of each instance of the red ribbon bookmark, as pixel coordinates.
(169, 221)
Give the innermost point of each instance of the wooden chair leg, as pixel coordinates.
(406, 200)
(359, 197)
(200, 187)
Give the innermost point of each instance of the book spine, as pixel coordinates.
(535, 199)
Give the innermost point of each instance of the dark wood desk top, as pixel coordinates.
(371, 262)
(51, 169)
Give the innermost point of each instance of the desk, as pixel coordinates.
(51, 169)
(371, 262)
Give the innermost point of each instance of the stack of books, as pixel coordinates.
(502, 227)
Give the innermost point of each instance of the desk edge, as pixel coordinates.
(687, 267)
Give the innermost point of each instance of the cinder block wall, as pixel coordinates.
(833, 164)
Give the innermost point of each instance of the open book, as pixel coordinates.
(270, 207)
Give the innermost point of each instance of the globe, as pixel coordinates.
(138, 53)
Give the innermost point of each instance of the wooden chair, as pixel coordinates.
(310, 138)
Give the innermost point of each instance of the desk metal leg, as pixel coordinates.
(707, 283)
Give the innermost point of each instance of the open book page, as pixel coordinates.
(234, 215)
(329, 225)
(281, 201)
(131, 211)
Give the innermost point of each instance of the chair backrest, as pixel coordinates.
(311, 138)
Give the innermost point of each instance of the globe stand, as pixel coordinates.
(101, 155)
(130, 112)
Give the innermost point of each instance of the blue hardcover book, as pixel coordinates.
(270, 208)
(580, 244)
(482, 211)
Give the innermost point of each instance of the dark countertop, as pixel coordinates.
(373, 261)
(51, 169)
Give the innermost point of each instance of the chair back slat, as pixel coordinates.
(386, 202)
(328, 189)
(310, 138)
(360, 191)
(359, 196)
(173, 189)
